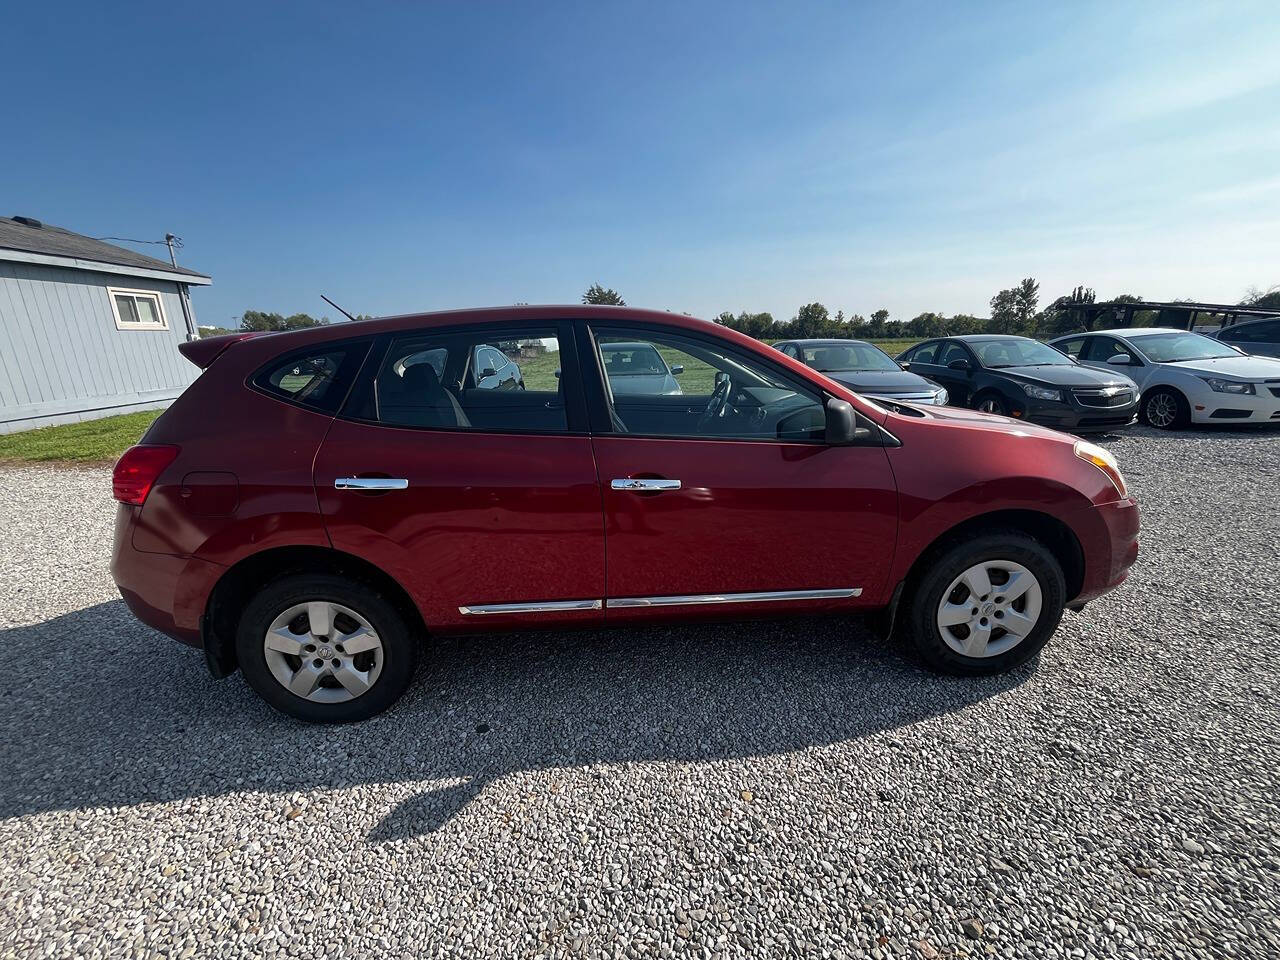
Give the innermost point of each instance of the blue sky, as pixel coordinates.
(697, 157)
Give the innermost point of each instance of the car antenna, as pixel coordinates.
(338, 308)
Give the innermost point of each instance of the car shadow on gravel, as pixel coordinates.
(98, 710)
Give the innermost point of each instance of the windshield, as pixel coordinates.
(1175, 347)
(1017, 352)
(639, 360)
(833, 357)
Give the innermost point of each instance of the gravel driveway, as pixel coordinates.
(738, 791)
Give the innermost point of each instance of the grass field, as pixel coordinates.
(95, 441)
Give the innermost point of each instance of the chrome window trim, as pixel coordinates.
(760, 597)
(545, 606)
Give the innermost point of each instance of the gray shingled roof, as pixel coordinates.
(56, 242)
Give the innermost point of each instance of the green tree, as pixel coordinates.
(1014, 310)
(1262, 299)
(605, 295)
(811, 320)
(257, 321)
(1066, 314)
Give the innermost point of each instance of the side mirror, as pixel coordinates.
(842, 422)
(905, 364)
(487, 372)
(960, 364)
(1120, 360)
(677, 369)
(557, 374)
(721, 377)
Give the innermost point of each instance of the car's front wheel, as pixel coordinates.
(991, 403)
(325, 649)
(1165, 409)
(986, 605)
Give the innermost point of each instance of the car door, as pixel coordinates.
(960, 383)
(744, 504)
(482, 503)
(1098, 350)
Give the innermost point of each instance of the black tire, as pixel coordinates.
(1181, 419)
(1000, 406)
(922, 602)
(399, 646)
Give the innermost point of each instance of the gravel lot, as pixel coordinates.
(777, 789)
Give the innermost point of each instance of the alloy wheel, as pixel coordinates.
(989, 609)
(990, 405)
(1162, 410)
(323, 652)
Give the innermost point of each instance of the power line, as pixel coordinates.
(177, 241)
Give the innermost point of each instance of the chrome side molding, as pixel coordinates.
(546, 606)
(761, 597)
(562, 606)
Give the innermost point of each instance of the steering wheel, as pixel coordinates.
(718, 405)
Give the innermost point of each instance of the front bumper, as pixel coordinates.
(1071, 414)
(1108, 535)
(1207, 406)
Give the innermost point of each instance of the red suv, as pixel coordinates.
(319, 502)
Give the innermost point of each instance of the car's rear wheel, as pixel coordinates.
(991, 403)
(1165, 409)
(325, 649)
(986, 605)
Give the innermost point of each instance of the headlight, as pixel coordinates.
(1227, 386)
(1041, 393)
(941, 397)
(1104, 461)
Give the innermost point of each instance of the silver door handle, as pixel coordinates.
(632, 483)
(370, 483)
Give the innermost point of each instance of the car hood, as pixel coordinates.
(1240, 368)
(887, 382)
(1064, 375)
(961, 417)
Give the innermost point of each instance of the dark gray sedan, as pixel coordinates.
(864, 368)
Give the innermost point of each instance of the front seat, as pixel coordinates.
(421, 400)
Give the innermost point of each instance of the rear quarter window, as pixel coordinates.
(319, 378)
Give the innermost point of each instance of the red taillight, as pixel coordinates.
(137, 470)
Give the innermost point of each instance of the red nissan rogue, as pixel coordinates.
(319, 503)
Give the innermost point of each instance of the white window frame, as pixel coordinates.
(152, 295)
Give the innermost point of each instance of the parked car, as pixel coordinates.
(865, 369)
(1184, 377)
(1023, 378)
(334, 517)
(638, 369)
(496, 371)
(1254, 336)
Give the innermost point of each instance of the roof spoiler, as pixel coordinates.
(204, 352)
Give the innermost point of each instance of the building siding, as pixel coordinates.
(62, 358)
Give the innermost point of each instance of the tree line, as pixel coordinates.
(1015, 311)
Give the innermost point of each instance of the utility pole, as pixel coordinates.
(183, 295)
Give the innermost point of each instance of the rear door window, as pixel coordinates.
(442, 380)
(1071, 347)
(925, 353)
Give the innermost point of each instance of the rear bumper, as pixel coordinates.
(167, 593)
(1109, 539)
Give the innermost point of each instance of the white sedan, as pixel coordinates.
(1184, 377)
